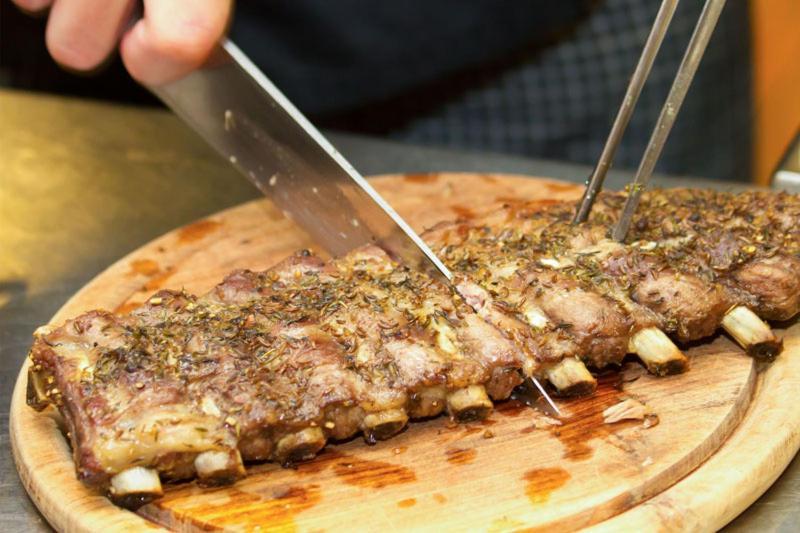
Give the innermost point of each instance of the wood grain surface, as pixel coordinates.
(501, 474)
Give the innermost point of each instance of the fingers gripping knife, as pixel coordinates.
(240, 113)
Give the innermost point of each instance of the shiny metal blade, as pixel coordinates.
(546, 396)
(240, 113)
(243, 116)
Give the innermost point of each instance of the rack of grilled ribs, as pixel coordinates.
(271, 365)
(693, 261)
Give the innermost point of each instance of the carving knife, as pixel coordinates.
(242, 115)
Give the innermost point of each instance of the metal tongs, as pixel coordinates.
(680, 86)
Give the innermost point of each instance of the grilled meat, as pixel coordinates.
(271, 365)
(268, 366)
(675, 277)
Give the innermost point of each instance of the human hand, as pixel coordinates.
(172, 38)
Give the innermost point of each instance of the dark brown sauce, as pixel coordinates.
(462, 212)
(519, 202)
(460, 456)
(560, 187)
(409, 502)
(421, 178)
(586, 420)
(197, 230)
(151, 269)
(157, 281)
(358, 472)
(320, 462)
(126, 307)
(247, 509)
(372, 474)
(145, 267)
(512, 407)
(508, 200)
(471, 430)
(541, 482)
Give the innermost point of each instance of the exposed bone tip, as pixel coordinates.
(766, 351)
(219, 467)
(570, 377)
(135, 487)
(427, 402)
(469, 404)
(669, 368)
(36, 394)
(383, 424)
(584, 388)
(752, 333)
(300, 446)
(658, 352)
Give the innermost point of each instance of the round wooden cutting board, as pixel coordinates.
(726, 429)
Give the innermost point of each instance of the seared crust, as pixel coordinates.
(344, 347)
(690, 256)
(270, 365)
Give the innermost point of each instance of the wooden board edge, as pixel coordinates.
(694, 503)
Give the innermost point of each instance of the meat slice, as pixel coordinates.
(487, 267)
(597, 324)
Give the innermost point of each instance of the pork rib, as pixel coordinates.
(271, 365)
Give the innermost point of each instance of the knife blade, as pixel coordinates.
(245, 118)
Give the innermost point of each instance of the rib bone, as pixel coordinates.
(384, 424)
(570, 377)
(427, 402)
(219, 467)
(300, 446)
(752, 333)
(135, 486)
(269, 365)
(469, 404)
(658, 352)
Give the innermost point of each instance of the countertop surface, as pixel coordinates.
(83, 183)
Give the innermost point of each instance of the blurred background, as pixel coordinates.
(536, 78)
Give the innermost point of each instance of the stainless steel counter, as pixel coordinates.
(83, 183)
